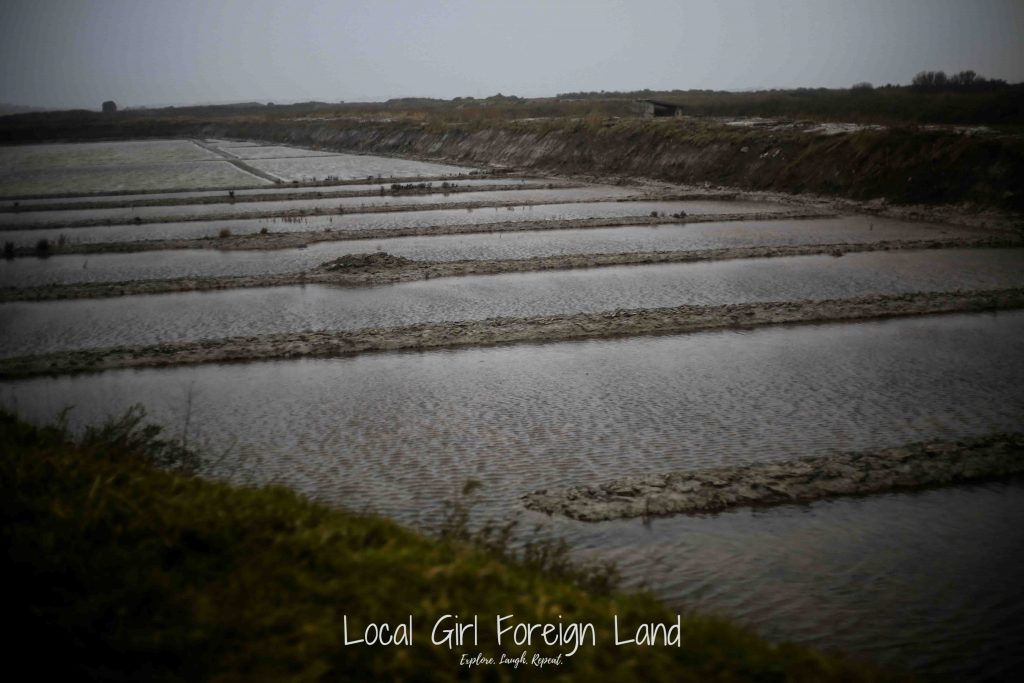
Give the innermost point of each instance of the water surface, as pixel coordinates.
(927, 580)
(381, 221)
(37, 327)
(241, 195)
(351, 167)
(114, 267)
(213, 211)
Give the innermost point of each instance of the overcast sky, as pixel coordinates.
(77, 53)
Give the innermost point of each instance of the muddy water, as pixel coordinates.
(241, 195)
(115, 267)
(213, 211)
(381, 221)
(924, 580)
(36, 327)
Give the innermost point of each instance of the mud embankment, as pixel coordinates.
(360, 270)
(389, 189)
(906, 165)
(298, 214)
(101, 195)
(903, 165)
(619, 323)
(715, 489)
(238, 163)
(299, 238)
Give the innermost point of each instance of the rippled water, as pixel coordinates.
(36, 327)
(924, 581)
(381, 221)
(213, 211)
(115, 267)
(927, 580)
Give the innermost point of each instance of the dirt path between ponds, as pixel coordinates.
(296, 239)
(345, 211)
(675, 320)
(226, 196)
(371, 269)
(804, 480)
(497, 174)
(238, 163)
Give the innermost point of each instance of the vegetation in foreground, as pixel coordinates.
(120, 570)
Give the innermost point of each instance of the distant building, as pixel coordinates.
(109, 107)
(649, 108)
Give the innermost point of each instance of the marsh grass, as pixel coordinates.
(551, 556)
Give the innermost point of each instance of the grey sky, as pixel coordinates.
(76, 53)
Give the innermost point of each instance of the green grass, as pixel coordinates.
(122, 571)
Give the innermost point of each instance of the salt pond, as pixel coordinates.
(213, 211)
(926, 579)
(113, 267)
(36, 327)
(384, 220)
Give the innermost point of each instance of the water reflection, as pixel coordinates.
(923, 580)
(114, 267)
(379, 221)
(35, 327)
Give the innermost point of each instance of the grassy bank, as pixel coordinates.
(123, 571)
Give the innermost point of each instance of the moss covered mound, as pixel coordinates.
(121, 571)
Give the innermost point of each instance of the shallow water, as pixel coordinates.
(63, 155)
(38, 327)
(213, 211)
(228, 144)
(105, 166)
(115, 267)
(241, 195)
(381, 221)
(274, 152)
(350, 167)
(927, 580)
(168, 164)
(924, 581)
(126, 178)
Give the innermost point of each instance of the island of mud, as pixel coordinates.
(804, 480)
